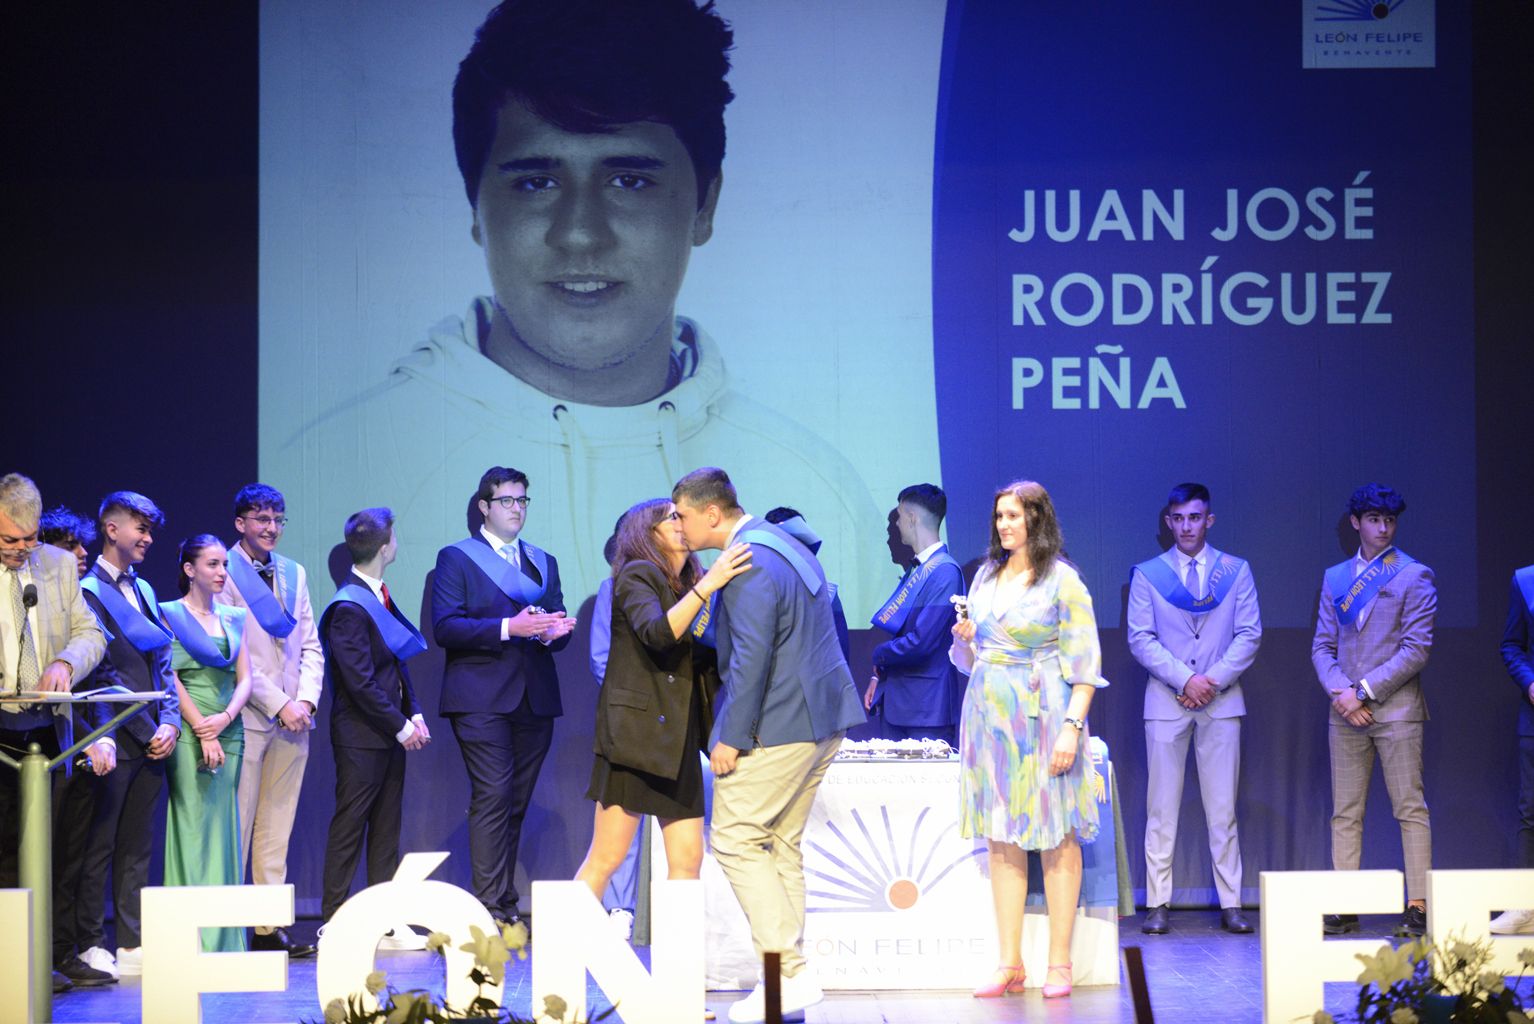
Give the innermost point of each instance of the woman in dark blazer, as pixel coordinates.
(653, 715)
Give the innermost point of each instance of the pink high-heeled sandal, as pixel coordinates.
(1011, 981)
(1058, 991)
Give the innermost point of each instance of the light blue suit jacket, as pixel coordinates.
(1173, 644)
(785, 679)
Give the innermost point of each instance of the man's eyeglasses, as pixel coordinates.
(264, 521)
(508, 500)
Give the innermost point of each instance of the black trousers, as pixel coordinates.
(1526, 801)
(15, 743)
(370, 793)
(503, 753)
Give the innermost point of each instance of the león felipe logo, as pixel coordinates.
(865, 873)
(1357, 10)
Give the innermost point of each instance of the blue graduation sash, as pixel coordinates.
(259, 598)
(1222, 577)
(511, 581)
(1525, 578)
(399, 636)
(892, 617)
(196, 639)
(786, 549)
(702, 628)
(144, 633)
(1352, 594)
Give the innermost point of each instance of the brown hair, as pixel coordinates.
(1044, 542)
(636, 543)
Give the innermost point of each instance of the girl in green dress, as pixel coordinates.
(202, 826)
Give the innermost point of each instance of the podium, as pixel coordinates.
(36, 853)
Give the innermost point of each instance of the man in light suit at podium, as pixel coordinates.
(48, 641)
(1195, 626)
(787, 700)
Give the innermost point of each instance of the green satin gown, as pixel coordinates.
(202, 826)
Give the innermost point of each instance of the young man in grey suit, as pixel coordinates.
(788, 698)
(1373, 634)
(1195, 626)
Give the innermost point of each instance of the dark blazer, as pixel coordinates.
(127, 666)
(373, 697)
(648, 686)
(483, 672)
(785, 680)
(919, 685)
(1518, 655)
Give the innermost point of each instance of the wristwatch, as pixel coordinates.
(1078, 723)
(1361, 690)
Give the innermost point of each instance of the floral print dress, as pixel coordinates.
(1032, 645)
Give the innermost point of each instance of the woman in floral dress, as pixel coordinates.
(1030, 648)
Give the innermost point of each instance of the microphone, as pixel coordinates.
(29, 596)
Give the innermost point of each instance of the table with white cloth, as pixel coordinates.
(896, 899)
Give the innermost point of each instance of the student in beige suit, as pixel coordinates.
(287, 666)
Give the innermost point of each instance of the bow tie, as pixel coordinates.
(129, 577)
(269, 570)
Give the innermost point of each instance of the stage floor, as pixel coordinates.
(1196, 973)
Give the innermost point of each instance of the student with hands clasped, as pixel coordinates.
(212, 669)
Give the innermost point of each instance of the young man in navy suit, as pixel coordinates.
(1518, 656)
(375, 718)
(913, 677)
(788, 698)
(137, 657)
(498, 612)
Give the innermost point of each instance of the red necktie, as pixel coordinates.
(389, 604)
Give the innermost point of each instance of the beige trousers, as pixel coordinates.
(271, 776)
(760, 810)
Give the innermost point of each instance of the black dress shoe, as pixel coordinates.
(278, 940)
(1156, 921)
(61, 983)
(1413, 923)
(83, 975)
(1234, 921)
(1339, 924)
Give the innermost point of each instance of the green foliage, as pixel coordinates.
(1402, 985)
(417, 1006)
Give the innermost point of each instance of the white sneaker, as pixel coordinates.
(798, 992)
(403, 937)
(1510, 922)
(130, 961)
(622, 923)
(100, 959)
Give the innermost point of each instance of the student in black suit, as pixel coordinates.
(375, 717)
(653, 717)
(137, 657)
(497, 610)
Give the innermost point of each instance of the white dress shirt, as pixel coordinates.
(10, 629)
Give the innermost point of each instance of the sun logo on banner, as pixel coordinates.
(869, 874)
(1357, 10)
